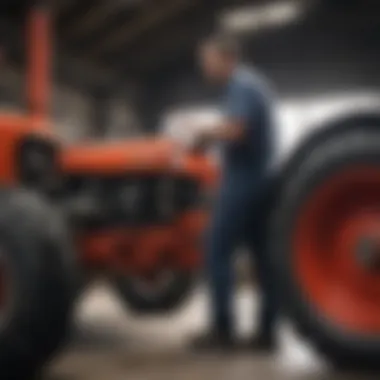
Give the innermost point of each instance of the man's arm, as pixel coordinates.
(226, 130)
(237, 113)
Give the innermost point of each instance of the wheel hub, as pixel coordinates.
(367, 252)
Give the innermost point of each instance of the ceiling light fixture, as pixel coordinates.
(252, 18)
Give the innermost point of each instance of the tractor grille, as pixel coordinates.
(130, 200)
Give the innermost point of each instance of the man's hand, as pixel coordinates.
(201, 142)
(225, 130)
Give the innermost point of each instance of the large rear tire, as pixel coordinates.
(329, 205)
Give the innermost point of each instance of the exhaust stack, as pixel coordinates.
(38, 61)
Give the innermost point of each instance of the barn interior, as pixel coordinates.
(124, 68)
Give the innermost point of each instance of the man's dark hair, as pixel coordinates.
(228, 45)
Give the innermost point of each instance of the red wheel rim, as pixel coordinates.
(337, 249)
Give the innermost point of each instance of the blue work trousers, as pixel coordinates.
(240, 218)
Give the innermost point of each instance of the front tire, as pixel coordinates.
(39, 274)
(142, 295)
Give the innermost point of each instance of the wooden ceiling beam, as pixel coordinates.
(97, 15)
(168, 46)
(156, 14)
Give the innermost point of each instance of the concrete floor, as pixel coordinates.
(109, 343)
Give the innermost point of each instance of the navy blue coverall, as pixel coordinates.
(239, 213)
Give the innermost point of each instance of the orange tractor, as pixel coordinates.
(131, 211)
(134, 211)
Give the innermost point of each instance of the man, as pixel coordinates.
(245, 137)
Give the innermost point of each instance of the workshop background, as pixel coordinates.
(122, 68)
(121, 65)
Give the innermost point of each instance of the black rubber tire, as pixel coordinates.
(61, 276)
(169, 300)
(42, 271)
(342, 348)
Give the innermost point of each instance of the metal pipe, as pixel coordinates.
(38, 60)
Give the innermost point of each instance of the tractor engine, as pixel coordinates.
(125, 200)
(138, 210)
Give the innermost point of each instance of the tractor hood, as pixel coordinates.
(116, 157)
(144, 154)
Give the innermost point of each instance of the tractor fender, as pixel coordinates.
(316, 134)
